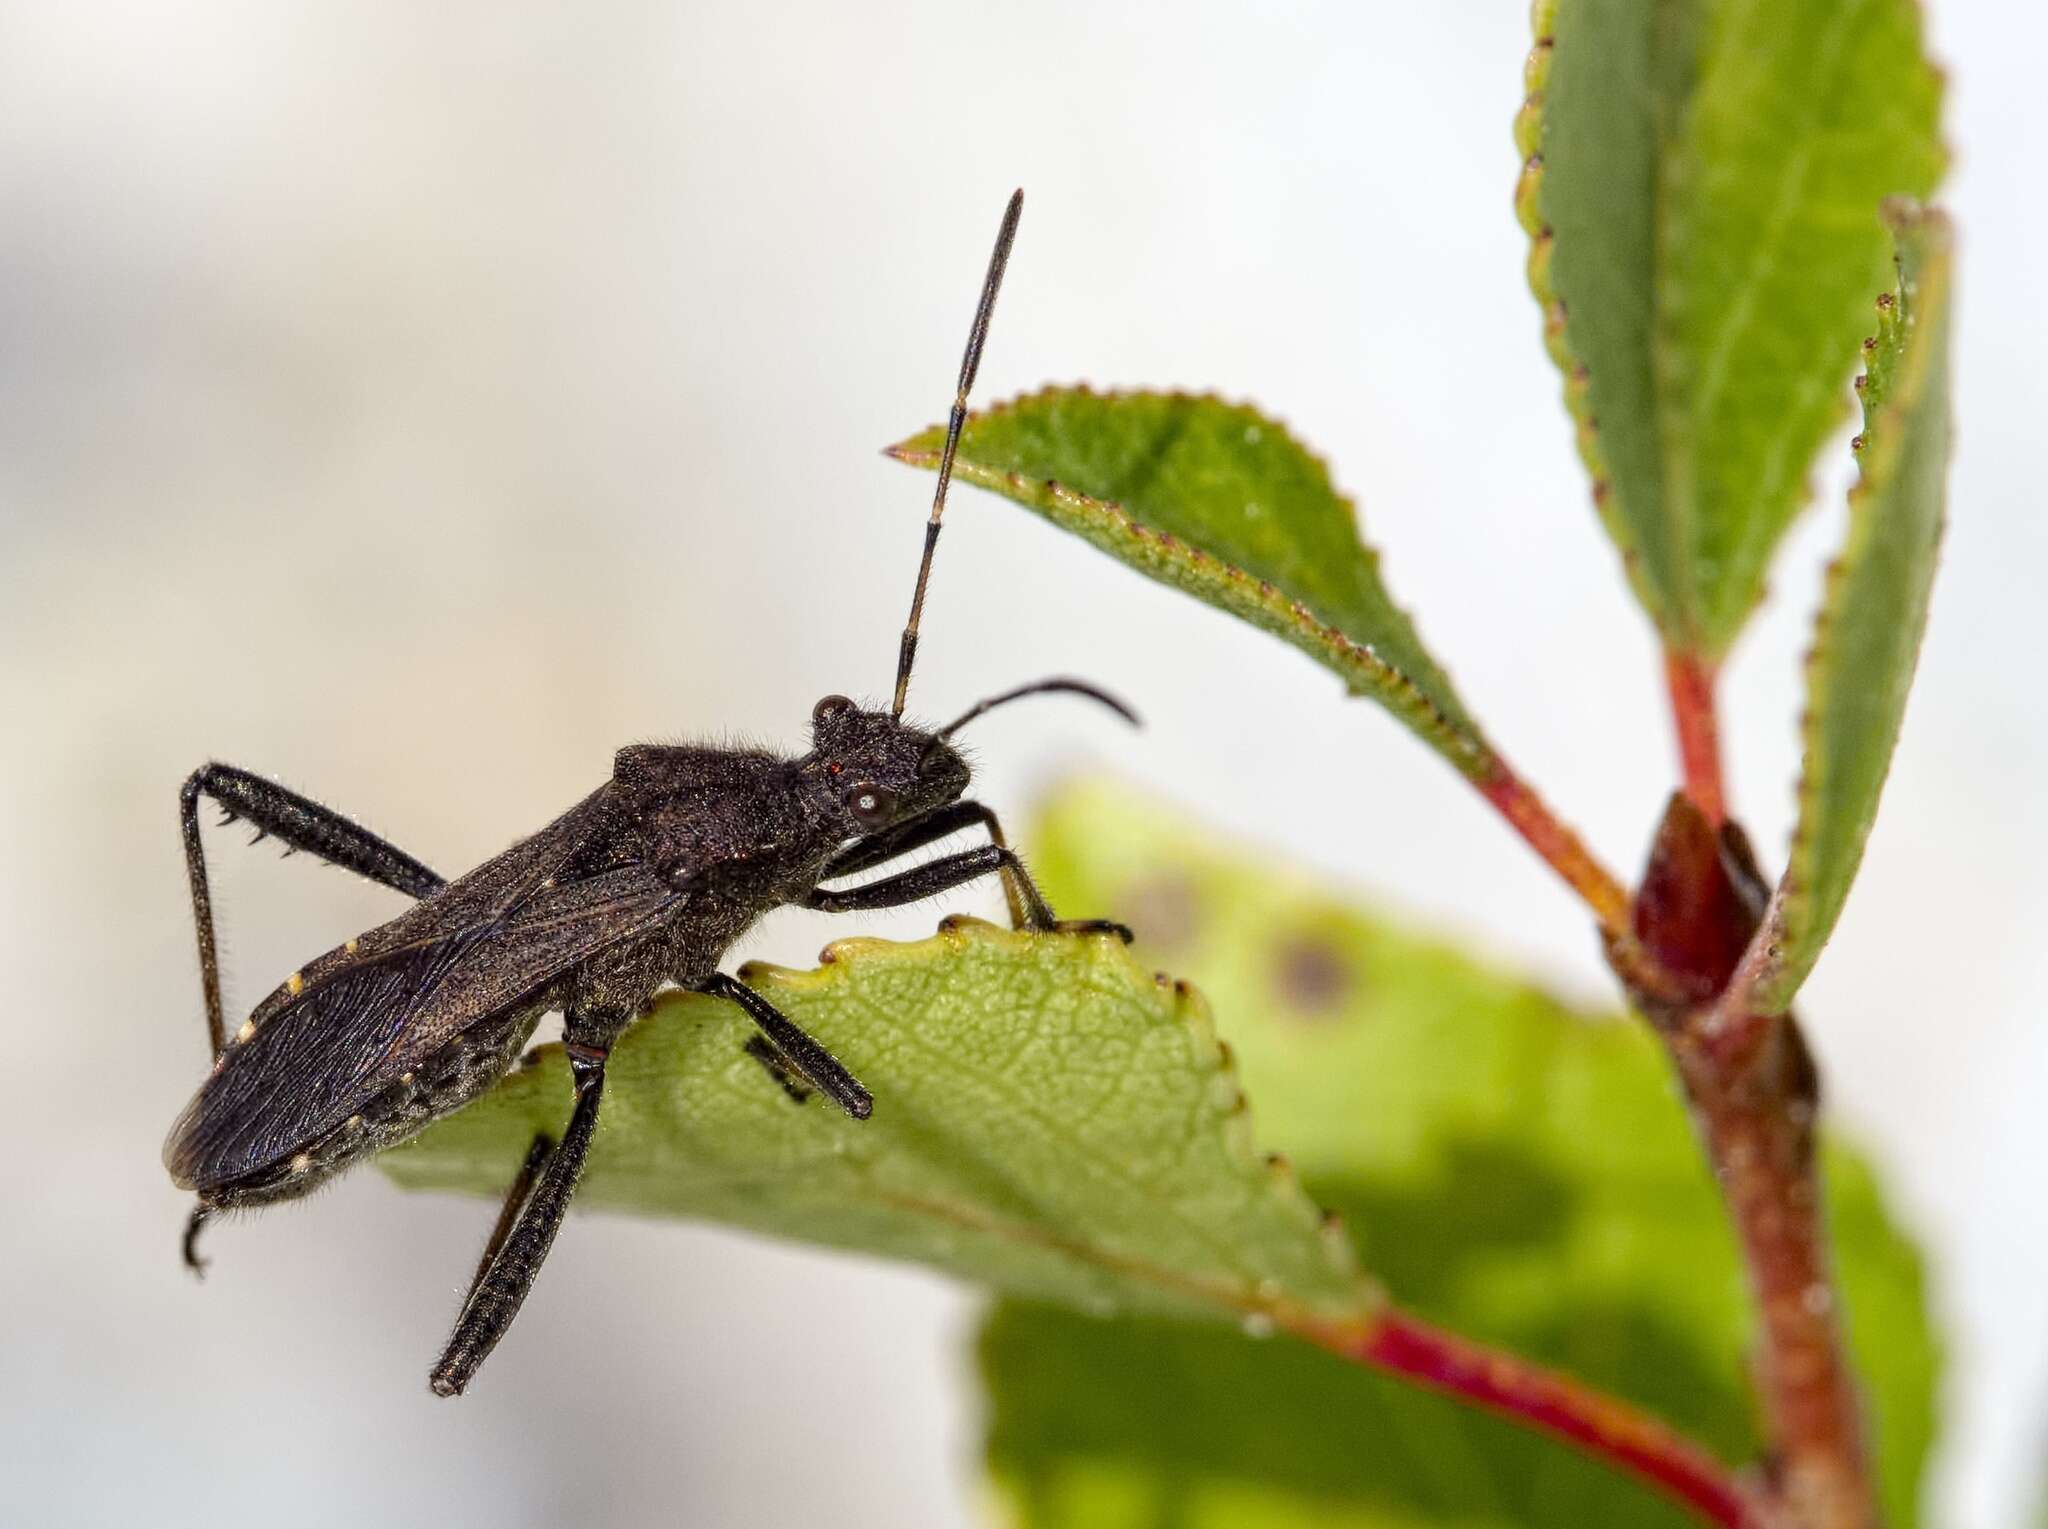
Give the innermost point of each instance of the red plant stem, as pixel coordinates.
(1755, 1113)
(1690, 680)
(1530, 816)
(1602, 1426)
(1701, 919)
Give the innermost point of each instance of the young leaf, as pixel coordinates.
(1875, 609)
(1701, 184)
(1511, 1167)
(1049, 1119)
(1222, 503)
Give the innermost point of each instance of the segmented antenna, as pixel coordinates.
(1040, 687)
(970, 363)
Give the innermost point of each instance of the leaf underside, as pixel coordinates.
(1509, 1167)
(1220, 502)
(1874, 611)
(1049, 1120)
(1702, 185)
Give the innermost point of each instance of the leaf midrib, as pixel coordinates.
(1077, 1149)
(1737, 320)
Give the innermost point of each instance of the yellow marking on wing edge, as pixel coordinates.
(295, 984)
(302, 1162)
(248, 1029)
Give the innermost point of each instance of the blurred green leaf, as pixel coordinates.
(1875, 608)
(1048, 1119)
(1511, 1167)
(1702, 183)
(1221, 503)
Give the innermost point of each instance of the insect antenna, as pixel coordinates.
(970, 363)
(1040, 687)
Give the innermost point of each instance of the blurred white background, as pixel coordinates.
(417, 402)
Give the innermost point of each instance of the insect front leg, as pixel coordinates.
(902, 838)
(301, 824)
(804, 1056)
(948, 872)
(520, 1242)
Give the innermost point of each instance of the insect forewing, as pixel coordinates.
(490, 944)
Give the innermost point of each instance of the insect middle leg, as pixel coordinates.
(300, 823)
(806, 1058)
(525, 1231)
(762, 1050)
(948, 872)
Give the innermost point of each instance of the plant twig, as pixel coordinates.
(1754, 1095)
(1530, 816)
(1757, 1124)
(1690, 681)
(1603, 1426)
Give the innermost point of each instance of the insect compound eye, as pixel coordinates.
(870, 804)
(830, 707)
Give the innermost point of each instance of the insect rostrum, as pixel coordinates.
(645, 882)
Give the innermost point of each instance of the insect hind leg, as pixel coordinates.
(300, 823)
(537, 1155)
(188, 1245)
(521, 1241)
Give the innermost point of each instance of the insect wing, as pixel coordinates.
(325, 1053)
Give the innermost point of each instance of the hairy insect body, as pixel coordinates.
(443, 1084)
(645, 882)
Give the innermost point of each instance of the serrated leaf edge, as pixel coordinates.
(1876, 450)
(1189, 1008)
(1106, 522)
(1578, 377)
(1719, 628)
(837, 965)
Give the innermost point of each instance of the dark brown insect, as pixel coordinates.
(645, 882)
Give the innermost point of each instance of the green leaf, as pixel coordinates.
(1221, 503)
(1048, 1119)
(1875, 608)
(1511, 1167)
(1702, 183)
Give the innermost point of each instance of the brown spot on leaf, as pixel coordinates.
(1164, 909)
(1313, 975)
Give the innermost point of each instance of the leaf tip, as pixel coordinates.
(910, 453)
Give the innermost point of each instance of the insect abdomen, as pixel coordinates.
(440, 1085)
